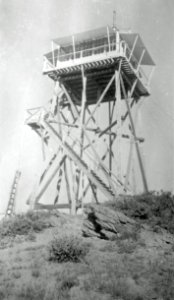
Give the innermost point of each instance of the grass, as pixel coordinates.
(113, 279)
(32, 291)
(16, 274)
(123, 268)
(36, 273)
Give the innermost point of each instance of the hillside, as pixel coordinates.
(118, 250)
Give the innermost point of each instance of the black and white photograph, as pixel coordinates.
(86, 150)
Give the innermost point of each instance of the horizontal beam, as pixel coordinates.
(52, 206)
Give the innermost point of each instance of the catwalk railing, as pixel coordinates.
(57, 61)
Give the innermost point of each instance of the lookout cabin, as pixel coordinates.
(99, 52)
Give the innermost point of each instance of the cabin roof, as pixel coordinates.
(102, 32)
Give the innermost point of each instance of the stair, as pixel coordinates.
(99, 179)
(106, 190)
(11, 203)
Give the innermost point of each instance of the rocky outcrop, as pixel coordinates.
(103, 222)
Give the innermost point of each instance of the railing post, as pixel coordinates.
(117, 41)
(109, 44)
(53, 57)
(74, 49)
(58, 53)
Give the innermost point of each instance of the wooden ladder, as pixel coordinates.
(11, 203)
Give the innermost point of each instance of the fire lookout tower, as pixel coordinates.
(99, 77)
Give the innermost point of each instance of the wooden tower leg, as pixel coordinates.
(119, 123)
(135, 137)
(128, 164)
(110, 140)
(67, 182)
(81, 129)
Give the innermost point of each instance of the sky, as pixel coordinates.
(26, 30)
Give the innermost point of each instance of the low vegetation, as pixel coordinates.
(134, 263)
(67, 248)
(155, 209)
(24, 224)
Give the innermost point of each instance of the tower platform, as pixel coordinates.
(100, 52)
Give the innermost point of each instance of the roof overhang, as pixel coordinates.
(128, 37)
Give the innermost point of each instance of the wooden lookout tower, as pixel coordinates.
(99, 77)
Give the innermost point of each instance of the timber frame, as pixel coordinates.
(88, 158)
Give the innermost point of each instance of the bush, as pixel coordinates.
(67, 248)
(23, 224)
(152, 208)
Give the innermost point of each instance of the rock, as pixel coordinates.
(108, 234)
(104, 222)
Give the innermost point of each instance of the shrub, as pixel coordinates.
(24, 224)
(67, 248)
(152, 208)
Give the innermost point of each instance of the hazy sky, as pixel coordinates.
(26, 28)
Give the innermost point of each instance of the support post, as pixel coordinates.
(135, 137)
(110, 141)
(119, 123)
(129, 164)
(81, 126)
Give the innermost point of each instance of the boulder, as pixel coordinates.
(103, 222)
